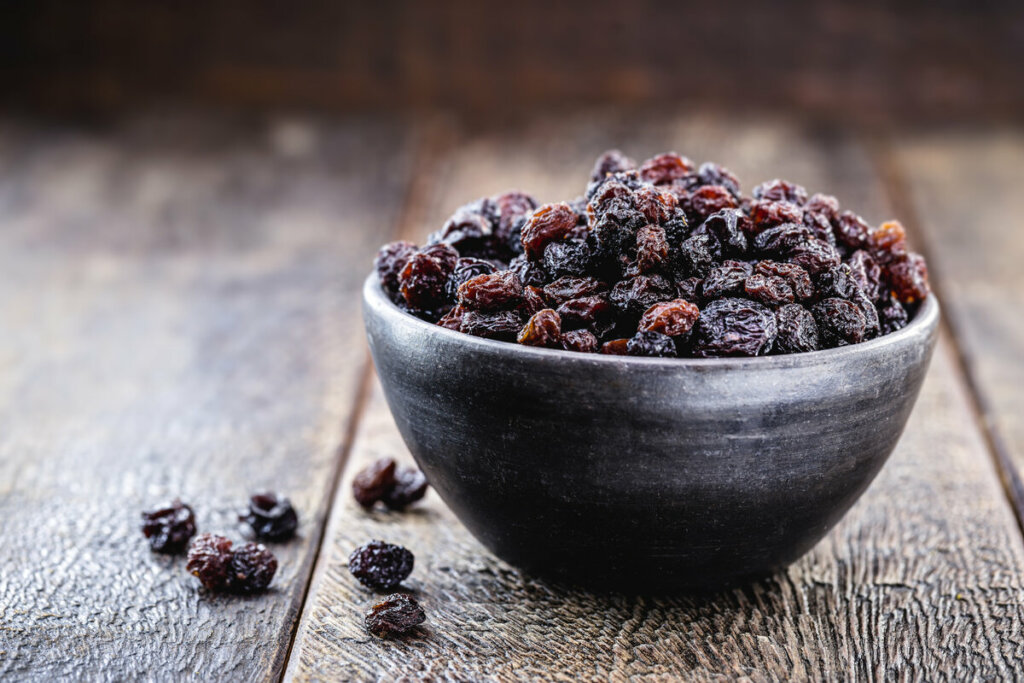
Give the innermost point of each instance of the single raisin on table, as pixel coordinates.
(380, 566)
(374, 481)
(410, 486)
(219, 567)
(270, 517)
(395, 614)
(591, 274)
(169, 528)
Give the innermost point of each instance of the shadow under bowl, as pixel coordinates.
(645, 474)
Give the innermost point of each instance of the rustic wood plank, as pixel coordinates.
(962, 190)
(922, 579)
(180, 317)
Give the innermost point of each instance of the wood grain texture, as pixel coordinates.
(179, 317)
(964, 193)
(923, 579)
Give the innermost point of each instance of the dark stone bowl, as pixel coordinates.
(645, 474)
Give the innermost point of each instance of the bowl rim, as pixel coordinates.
(920, 328)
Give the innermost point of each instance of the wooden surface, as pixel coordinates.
(178, 309)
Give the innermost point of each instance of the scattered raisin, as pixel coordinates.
(252, 568)
(209, 559)
(410, 486)
(169, 528)
(908, 277)
(380, 566)
(246, 569)
(395, 614)
(374, 481)
(270, 517)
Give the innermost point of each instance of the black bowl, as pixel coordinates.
(643, 473)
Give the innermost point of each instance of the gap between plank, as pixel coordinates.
(428, 142)
(897, 188)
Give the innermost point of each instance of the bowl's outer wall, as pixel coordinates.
(619, 471)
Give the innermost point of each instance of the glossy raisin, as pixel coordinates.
(727, 279)
(530, 273)
(765, 214)
(423, 279)
(512, 209)
(851, 230)
(780, 191)
(665, 168)
(209, 559)
(565, 288)
(582, 340)
(169, 528)
(615, 347)
(389, 263)
(502, 325)
(698, 254)
(586, 311)
(380, 566)
(892, 316)
(374, 481)
(705, 201)
(533, 300)
(612, 161)
(867, 273)
(545, 225)
(729, 226)
(653, 344)
(542, 329)
(814, 256)
(795, 276)
(908, 277)
(270, 517)
(798, 331)
(651, 248)
(396, 614)
(734, 327)
(888, 241)
(410, 486)
(568, 257)
(672, 318)
(840, 322)
(465, 270)
(634, 296)
(771, 290)
(252, 569)
(491, 292)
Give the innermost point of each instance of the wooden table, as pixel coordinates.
(179, 316)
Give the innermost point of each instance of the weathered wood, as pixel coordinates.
(963, 191)
(923, 578)
(179, 317)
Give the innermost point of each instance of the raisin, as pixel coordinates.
(252, 568)
(651, 248)
(734, 327)
(565, 288)
(866, 273)
(634, 296)
(542, 329)
(396, 614)
(655, 205)
(798, 332)
(503, 325)
(779, 240)
(840, 322)
(547, 224)
(615, 347)
(374, 481)
(533, 300)
(765, 214)
(814, 256)
(851, 230)
(824, 205)
(888, 241)
(466, 230)
(713, 174)
(512, 209)
(209, 559)
(672, 318)
(770, 290)
(665, 168)
(780, 191)
(380, 566)
(729, 226)
(581, 340)
(491, 292)
(445, 254)
(892, 316)
(270, 517)
(612, 161)
(169, 528)
(698, 255)
(795, 276)
(653, 344)
(908, 277)
(423, 279)
(586, 311)
(465, 269)
(726, 280)
(452, 320)
(389, 263)
(410, 486)
(837, 282)
(529, 272)
(689, 289)
(566, 258)
(707, 200)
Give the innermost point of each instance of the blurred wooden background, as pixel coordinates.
(869, 61)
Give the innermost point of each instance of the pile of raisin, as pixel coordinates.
(662, 259)
(397, 487)
(169, 528)
(220, 567)
(270, 518)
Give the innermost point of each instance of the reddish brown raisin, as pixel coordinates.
(566, 288)
(888, 241)
(396, 614)
(795, 276)
(503, 325)
(852, 230)
(656, 206)
(587, 311)
(542, 329)
(410, 486)
(533, 300)
(771, 290)
(548, 223)
(665, 168)
(615, 347)
(673, 318)
(374, 481)
(612, 161)
(908, 277)
(209, 559)
(582, 341)
(726, 280)
(765, 214)
(707, 200)
(780, 191)
(651, 248)
(380, 566)
(389, 263)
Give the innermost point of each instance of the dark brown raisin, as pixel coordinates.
(423, 279)
(410, 486)
(734, 327)
(673, 318)
(866, 273)
(779, 240)
(651, 248)
(612, 161)
(705, 201)
(698, 255)
(726, 280)
(452, 320)
(466, 230)
(542, 329)
(665, 168)
(568, 257)
(545, 225)
(512, 209)
(634, 296)
(389, 263)
(852, 231)
(169, 528)
(380, 566)
(771, 290)
(655, 205)
(209, 559)
(824, 205)
(908, 277)
(892, 316)
(798, 332)
(270, 517)
(689, 289)
(491, 292)
(729, 226)
(814, 256)
(396, 614)
(503, 325)
(565, 288)
(533, 300)
(374, 481)
(582, 341)
(252, 569)
(653, 344)
(840, 322)
(466, 269)
(586, 311)
(795, 276)
(531, 273)
(712, 174)
(780, 191)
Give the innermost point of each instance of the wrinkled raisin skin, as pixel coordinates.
(544, 328)
(410, 486)
(735, 327)
(270, 517)
(252, 569)
(380, 566)
(374, 481)
(219, 567)
(396, 614)
(169, 528)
